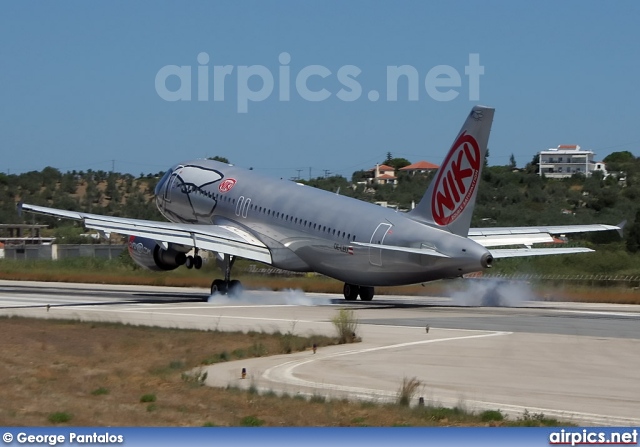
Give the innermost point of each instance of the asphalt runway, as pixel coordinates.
(578, 362)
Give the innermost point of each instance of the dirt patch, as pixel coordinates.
(98, 374)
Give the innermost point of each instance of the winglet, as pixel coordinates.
(450, 199)
(620, 229)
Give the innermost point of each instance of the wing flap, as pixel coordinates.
(518, 252)
(218, 238)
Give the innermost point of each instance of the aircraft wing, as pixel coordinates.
(498, 236)
(218, 238)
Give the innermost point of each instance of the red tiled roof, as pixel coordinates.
(420, 165)
(386, 177)
(383, 168)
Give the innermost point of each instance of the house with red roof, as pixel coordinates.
(420, 167)
(383, 175)
(566, 160)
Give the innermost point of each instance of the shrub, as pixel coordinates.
(251, 421)
(100, 391)
(491, 415)
(148, 398)
(346, 325)
(59, 418)
(176, 364)
(407, 390)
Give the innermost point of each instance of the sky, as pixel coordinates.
(141, 86)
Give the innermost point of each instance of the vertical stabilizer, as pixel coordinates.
(451, 196)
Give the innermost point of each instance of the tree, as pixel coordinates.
(398, 163)
(388, 159)
(619, 157)
(360, 176)
(512, 161)
(220, 159)
(633, 237)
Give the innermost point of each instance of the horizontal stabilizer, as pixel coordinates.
(419, 251)
(497, 236)
(517, 252)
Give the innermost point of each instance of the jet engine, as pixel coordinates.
(149, 254)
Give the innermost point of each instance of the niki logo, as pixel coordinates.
(456, 181)
(226, 185)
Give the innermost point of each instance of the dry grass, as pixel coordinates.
(83, 374)
(408, 390)
(53, 272)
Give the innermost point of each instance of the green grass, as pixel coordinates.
(100, 391)
(148, 398)
(251, 421)
(59, 417)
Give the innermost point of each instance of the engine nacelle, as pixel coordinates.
(148, 254)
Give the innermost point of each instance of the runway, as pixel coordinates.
(578, 362)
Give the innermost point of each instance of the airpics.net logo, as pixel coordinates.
(313, 83)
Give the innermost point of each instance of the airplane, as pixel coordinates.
(238, 213)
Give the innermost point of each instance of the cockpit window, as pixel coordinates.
(163, 180)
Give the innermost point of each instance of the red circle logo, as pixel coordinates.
(456, 181)
(226, 185)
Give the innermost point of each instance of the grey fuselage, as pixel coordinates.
(307, 229)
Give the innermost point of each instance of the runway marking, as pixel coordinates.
(91, 309)
(603, 312)
(290, 378)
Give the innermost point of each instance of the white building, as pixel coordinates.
(566, 160)
(383, 175)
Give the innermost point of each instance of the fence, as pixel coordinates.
(624, 281)
(63, 251)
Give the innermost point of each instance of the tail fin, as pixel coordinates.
(451, 196)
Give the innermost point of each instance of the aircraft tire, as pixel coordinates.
(235, 288)
(188, 262)
(219, 287)
(197, 262)
(366, 293)
(350, 292)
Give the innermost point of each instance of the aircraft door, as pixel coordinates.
(375, 254)
(239, 206)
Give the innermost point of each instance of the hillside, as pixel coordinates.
(507, 196)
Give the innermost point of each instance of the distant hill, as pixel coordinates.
(507, 196)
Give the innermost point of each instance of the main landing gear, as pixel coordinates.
(226, 286)
(194, 261)
(351, 292)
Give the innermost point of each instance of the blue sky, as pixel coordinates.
(77, 81)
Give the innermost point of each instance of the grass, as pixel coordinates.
(49, 364)
(148, 398)
(59, 417)
(100, 391)
(93, 270)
